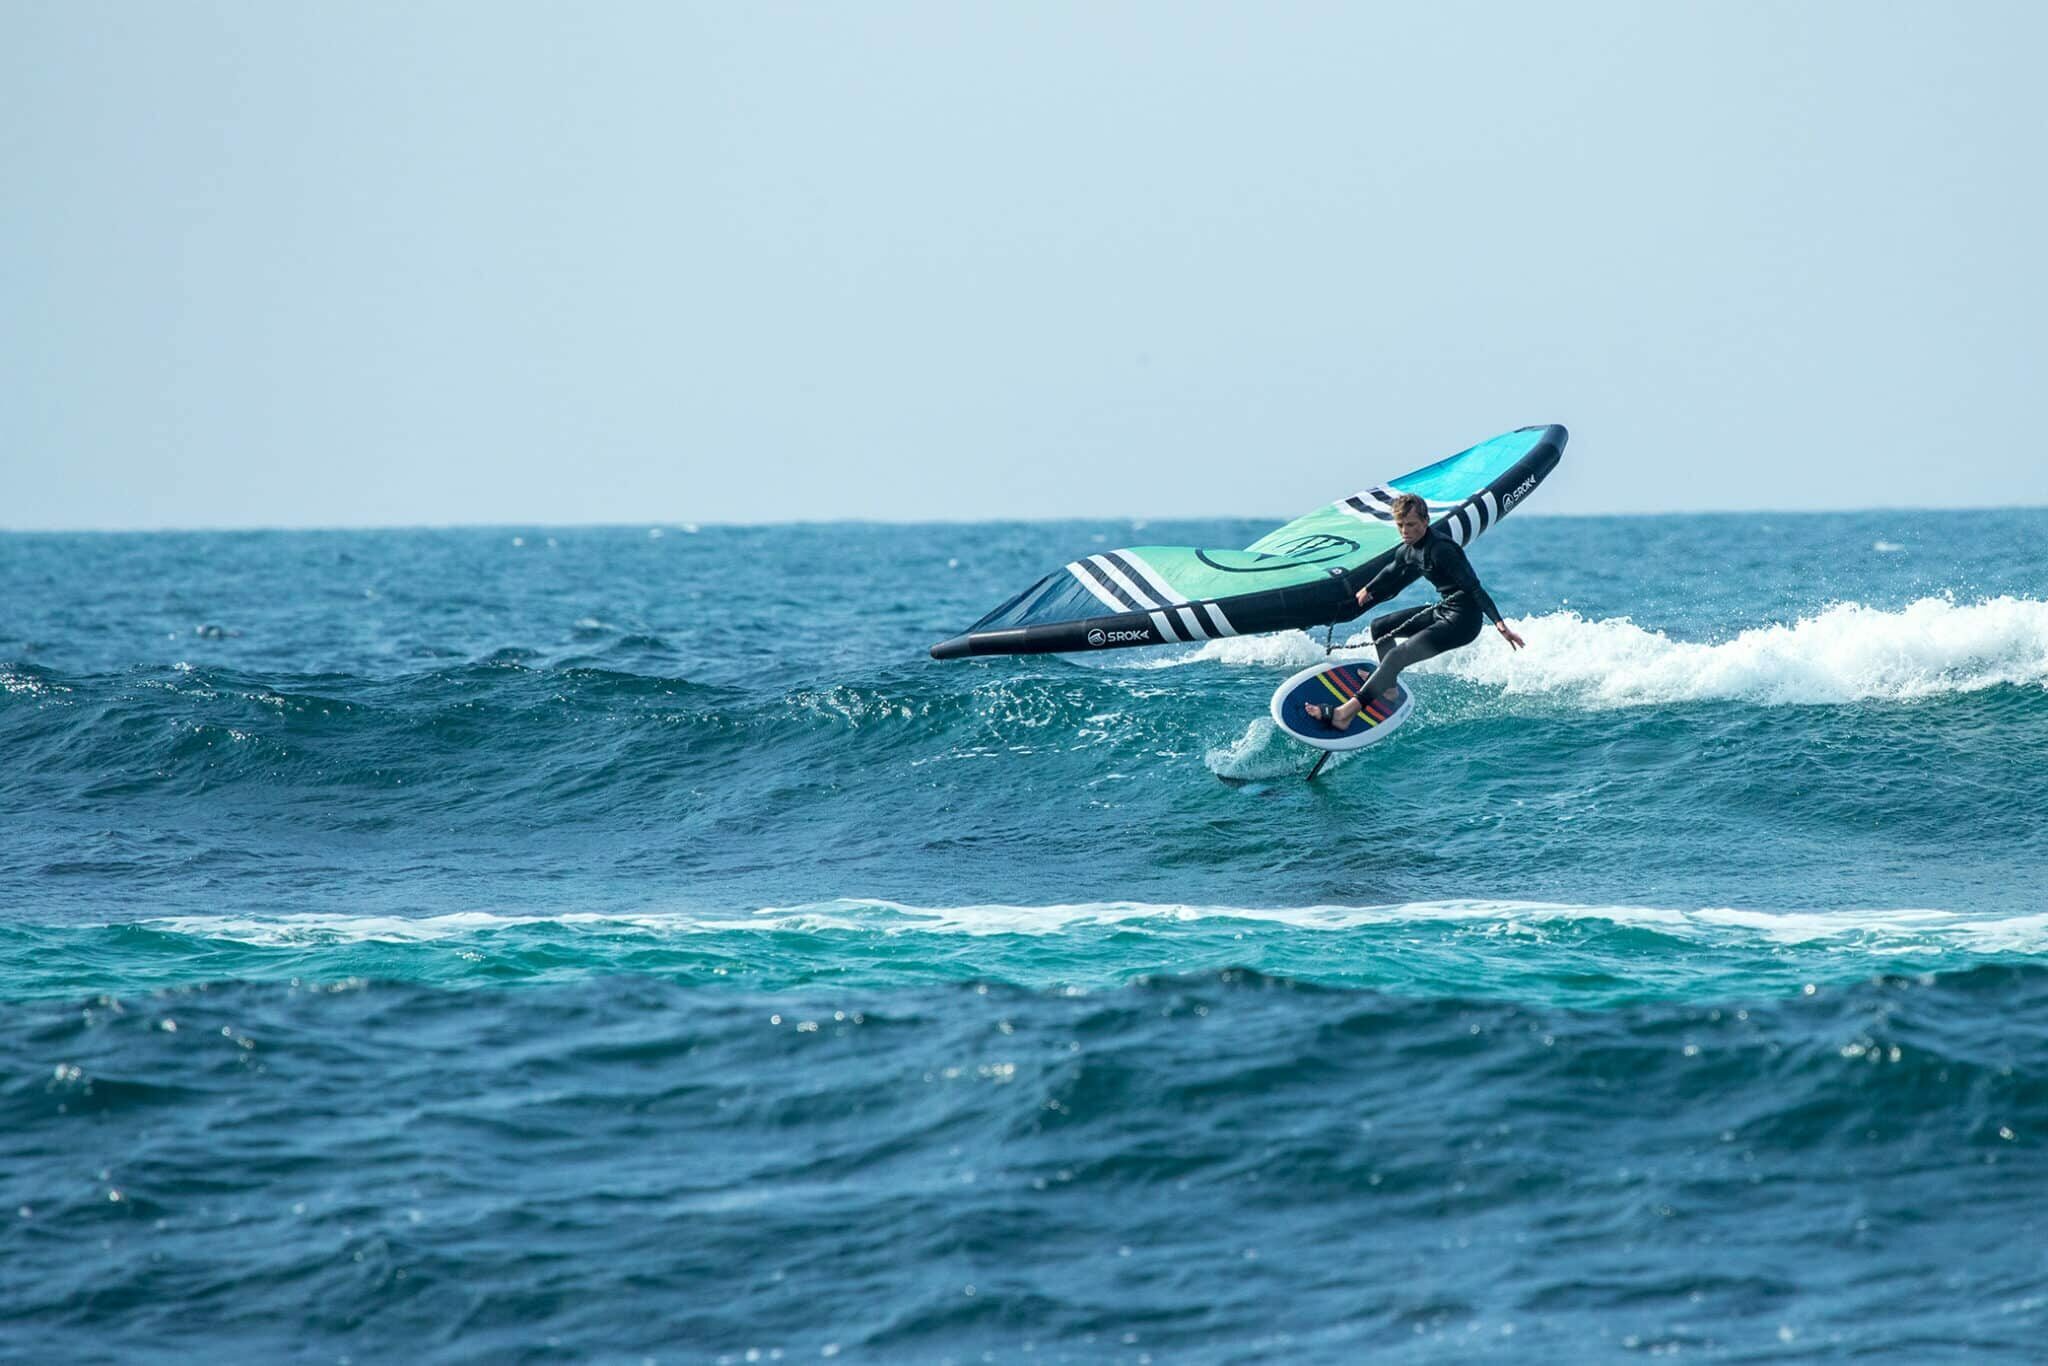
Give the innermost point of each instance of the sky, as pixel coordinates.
(289, 264)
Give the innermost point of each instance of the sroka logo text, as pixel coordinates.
(1098, 636)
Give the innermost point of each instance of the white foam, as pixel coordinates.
(1281, 649)
(295, 930)
(1258, 753)
(1887, 931)
(1846, 653)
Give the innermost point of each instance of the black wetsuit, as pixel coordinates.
(1423, 632)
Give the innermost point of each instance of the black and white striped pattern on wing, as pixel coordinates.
(1462, 523)
(1376, 504)
(1471, 517)
(1489, 510)
(1123, 582)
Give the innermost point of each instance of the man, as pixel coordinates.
(1418, 633)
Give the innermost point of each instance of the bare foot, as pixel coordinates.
(1329, 716)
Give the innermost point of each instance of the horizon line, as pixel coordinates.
(692, 526)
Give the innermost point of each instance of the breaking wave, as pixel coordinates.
(1845, 653)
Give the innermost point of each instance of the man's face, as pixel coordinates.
(1412, 525)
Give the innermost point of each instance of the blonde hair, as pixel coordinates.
(1404, 502)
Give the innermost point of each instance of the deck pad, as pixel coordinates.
(1330, 684)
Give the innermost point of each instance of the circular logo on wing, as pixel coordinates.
(1314, 549)
(1095, 637)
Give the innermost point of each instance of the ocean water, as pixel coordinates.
(625, 944)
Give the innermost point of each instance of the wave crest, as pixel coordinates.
(1846, 652)
(1883, 929)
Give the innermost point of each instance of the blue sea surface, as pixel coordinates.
(616, 944)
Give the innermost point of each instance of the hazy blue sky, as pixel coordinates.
(344, 263)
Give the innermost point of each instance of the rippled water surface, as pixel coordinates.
(626, 943)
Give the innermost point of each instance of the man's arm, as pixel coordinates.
(1391, 581)
(1461, 571)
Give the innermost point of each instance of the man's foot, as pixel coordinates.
(1328, 716)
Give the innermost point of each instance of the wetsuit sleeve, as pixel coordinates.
(1452, 559)
(1389, 582)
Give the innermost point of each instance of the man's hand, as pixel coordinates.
(1364, 596)
(1514, 641)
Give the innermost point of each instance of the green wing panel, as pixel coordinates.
(1276, 561)
(1323, 532)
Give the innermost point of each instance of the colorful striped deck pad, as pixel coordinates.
(1331, 685)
